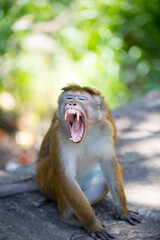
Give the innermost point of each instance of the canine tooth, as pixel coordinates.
(78, 116)
(65, 116)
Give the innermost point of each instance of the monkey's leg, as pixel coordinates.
(44, 177)
(66, 213)
(48, 186)
(112, 172)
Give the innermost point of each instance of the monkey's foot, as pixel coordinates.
(101, 234)
(131, 217)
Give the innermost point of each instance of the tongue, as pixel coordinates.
(76, 130)
(77, 125)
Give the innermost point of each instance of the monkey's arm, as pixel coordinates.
(73, 196)
(113, 176)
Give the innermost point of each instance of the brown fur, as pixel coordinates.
(75, 87)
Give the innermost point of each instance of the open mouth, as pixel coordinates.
(76, 124)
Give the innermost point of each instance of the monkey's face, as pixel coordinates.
(79, 110)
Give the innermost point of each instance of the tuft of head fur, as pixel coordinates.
(76, 87)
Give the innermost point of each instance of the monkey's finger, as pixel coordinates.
(134, 212)
(101, 235)
(128, 219)
(93, 235)
(110, 235)
(104, 236)
(136, 218)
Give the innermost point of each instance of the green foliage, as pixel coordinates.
(112, 45)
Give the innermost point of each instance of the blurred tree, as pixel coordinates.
(110, 44)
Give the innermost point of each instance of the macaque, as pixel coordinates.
(77, 163)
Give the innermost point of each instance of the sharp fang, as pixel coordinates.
(65, 116)
(78, 116)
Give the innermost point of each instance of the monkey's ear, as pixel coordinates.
(102, 102)
(103, 105)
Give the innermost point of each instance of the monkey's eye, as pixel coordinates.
(70, 97)
(82, 98)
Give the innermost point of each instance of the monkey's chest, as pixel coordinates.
(96, 147)
(89, 154)
(80, 158)
(84, 163)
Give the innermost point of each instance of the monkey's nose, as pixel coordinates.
(72, 104)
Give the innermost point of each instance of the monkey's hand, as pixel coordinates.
(101, 234)
(131, 217)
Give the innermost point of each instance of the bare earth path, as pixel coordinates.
(138, 149)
